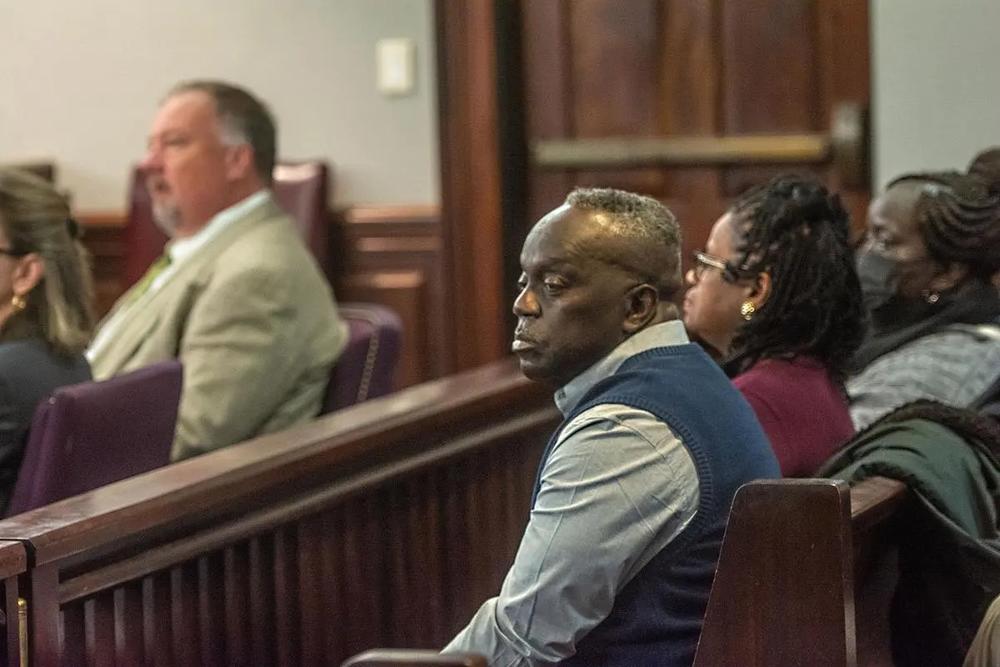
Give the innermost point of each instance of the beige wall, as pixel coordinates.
(81, 81)
(936, 83)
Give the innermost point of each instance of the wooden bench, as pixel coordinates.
(413, 658)
(386, 524)
(805, 576)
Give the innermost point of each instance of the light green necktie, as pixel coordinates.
(155, 269)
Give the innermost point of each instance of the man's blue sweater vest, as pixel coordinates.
(657, 616)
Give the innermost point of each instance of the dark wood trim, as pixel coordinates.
(471, 214)
(101, 219)
(429, 214)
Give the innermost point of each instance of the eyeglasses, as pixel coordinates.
(703, 261)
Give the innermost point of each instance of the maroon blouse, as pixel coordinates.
(803, 411)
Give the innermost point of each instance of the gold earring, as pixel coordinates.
(18, 303)
(747, 309)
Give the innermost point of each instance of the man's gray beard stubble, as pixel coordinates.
(167, 218)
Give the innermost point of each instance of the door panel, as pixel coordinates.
(687, 68)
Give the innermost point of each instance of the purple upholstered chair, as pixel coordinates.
(367, 365)
(94, 433)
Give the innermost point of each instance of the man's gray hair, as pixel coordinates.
(243, 119)
(637, 216)
(645, 222)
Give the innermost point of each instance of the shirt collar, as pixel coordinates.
(180, 249)
(659, 335)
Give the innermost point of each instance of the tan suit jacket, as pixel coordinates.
(253, 321)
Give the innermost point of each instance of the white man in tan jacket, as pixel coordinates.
(236, 297)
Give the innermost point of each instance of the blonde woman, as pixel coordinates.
(45, 315)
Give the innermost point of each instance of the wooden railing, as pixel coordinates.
(13, 608)
(386, 524)
(803, 579)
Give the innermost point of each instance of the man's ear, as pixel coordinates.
(239, 161)
(760, 291)
(29, 272)
(641, 305)
(948, 277)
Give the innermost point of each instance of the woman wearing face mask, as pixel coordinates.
(775, 294)
(45, 318)
(932, 247)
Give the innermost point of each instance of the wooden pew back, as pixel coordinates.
(386, 524)
(802, 575)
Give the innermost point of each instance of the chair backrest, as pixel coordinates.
(801, 579)
(143, 239)
(301, 188)
(367, 365)
(94, 433)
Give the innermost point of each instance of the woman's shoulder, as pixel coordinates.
(964, 340)
(33, 357)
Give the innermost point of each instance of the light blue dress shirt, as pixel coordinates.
(617, 487)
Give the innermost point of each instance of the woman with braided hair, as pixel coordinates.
(776, 296)
(931, 250)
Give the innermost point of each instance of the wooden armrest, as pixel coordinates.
(383, 657)
(874, 499)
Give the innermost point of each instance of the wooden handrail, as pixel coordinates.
(120, 510)
(845, 145)
(681, 151)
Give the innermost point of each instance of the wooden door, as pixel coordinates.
(523, 82)
(776, 72)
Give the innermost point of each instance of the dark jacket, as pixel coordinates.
(949, 544)
(29, 372)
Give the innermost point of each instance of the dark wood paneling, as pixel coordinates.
(618, 67)
(392, 255)
(547, 91)
(680, 68)
(471, 215)
(102, 236)
(387, 524)
(771, 77)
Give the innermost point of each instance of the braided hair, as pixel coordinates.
(958, 216)
(798, 232)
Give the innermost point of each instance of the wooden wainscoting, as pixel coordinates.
(392, 255)
(389, 255)
(102, 235)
